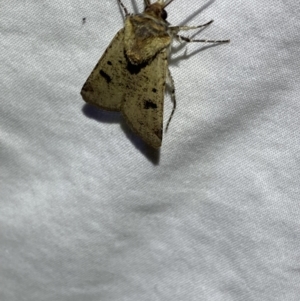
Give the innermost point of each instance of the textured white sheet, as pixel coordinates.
(88, 212)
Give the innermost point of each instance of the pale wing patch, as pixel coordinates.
(143, 103)
(105, 86)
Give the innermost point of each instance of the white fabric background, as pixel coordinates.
(88, 212)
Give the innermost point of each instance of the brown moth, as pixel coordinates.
(131, 74)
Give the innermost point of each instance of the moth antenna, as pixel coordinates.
(167, 3)
(124, 7)
(173, 97)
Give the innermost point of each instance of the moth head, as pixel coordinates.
(157, 9)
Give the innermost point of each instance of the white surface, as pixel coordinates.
(88, 212)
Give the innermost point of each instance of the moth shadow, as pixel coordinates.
(175, 61)
(196, 13)
(95, 113)
(100, 115)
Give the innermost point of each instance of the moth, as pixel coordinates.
(131, 75)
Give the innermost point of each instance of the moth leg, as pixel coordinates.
(124, 8)
(187, 39)
(173, 98)
(178, 28)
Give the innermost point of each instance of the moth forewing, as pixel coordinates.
(106, 84)
(143, 103)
